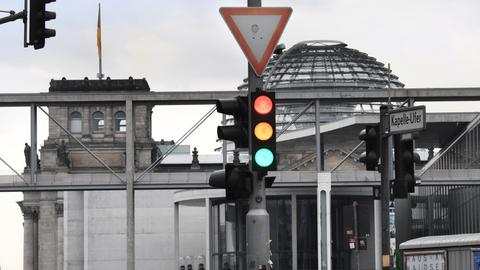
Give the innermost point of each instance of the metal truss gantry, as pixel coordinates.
(39, 182)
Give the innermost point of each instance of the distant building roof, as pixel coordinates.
(443, 241)
(187, 159)
(106, 85)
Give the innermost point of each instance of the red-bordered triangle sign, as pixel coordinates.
(257, 31)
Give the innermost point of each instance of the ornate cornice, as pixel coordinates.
(29, 211)
(59, 208)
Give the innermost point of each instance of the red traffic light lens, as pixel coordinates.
(263, 105)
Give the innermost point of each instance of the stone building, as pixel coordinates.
(88, 236)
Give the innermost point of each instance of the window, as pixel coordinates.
(120, 122)
(76, 122)
(98, 123)
(307, 245)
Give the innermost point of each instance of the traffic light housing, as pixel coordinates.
(236, 179)
(404, 182)
(38, 16)
(238, 132)
(372, 145)
(262, 131)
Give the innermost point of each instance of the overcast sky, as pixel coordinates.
(184, 45)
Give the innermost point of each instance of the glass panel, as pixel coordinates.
(242, 209)
(230, 247)
(76, 115)
(100, 125)
(215, 232)
(218, 220)
(280, 212)
(76, 125)
(221, 228)
(307, 233)
(120, 122)
(97, 121)
(121, 125)
(75, 122)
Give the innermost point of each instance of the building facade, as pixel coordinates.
(86, 229)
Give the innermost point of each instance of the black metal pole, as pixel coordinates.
(355, 233)
(386, 174)
(257, 219)
(25, 42)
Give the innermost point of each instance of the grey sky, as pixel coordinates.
(185, 45)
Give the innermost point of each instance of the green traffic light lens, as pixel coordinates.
(264, 157)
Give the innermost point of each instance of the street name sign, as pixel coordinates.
(406, 120)
(257, 31)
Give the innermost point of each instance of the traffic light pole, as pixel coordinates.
(257, 220)
(386, 176)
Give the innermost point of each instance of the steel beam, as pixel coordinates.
(333, 95)
(33, 142)
(130, 174)
(199, 180)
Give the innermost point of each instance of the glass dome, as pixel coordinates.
(324, 65)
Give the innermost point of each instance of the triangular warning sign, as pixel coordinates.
(257, 31)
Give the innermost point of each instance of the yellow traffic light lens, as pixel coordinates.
(263, 131)
(263, 105)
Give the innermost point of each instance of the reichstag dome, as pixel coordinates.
(324, 65)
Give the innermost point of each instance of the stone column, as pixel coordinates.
(86, 119)
(59, 212)
(47, 232)
(30, 216)
(28, 242)
(108, 118)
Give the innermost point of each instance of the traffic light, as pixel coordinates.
(238, 133)
(236, 179)
(404, 182)
(262, 129)
(372, 145)
(38, 17)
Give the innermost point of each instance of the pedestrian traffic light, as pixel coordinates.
(238, 132)
(236, 179)
(38, 16)
(262, 129)
(372, 145)
(404, 182)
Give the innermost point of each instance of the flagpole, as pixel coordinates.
(99, 44)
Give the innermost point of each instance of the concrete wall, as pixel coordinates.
(95, 227)
(73, 222)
